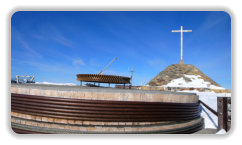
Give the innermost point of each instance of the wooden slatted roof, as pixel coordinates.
(103, 78)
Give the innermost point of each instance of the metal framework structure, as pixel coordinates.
(100, 78)
(18, 80)
(103, 78)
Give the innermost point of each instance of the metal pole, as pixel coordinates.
(17, 79)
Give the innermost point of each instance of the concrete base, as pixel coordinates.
(207, 131)
(181, 62)
(95, 93)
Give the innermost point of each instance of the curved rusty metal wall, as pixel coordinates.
(103, 78)
(100, 110)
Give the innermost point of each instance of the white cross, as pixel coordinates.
(181, 38)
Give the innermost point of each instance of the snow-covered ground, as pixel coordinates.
(49, 83)
(209, 98)
(196, 82)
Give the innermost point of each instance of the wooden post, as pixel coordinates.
(222, 109)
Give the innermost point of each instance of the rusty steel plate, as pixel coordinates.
(103, 78)
(103, 110)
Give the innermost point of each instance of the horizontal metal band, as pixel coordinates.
(99, 110)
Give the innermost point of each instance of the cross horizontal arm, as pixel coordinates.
(186, 30)
(176, 31)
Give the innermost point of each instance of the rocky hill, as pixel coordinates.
(183, 73)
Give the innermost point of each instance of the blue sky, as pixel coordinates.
(55, 46)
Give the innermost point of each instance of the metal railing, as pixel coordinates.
(209, 108)
(223, 112)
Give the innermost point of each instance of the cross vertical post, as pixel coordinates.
(181, 31)
(181, 42)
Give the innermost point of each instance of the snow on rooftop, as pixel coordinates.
(49, 83)
(196, 82)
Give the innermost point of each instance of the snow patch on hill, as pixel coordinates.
(196, 82)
